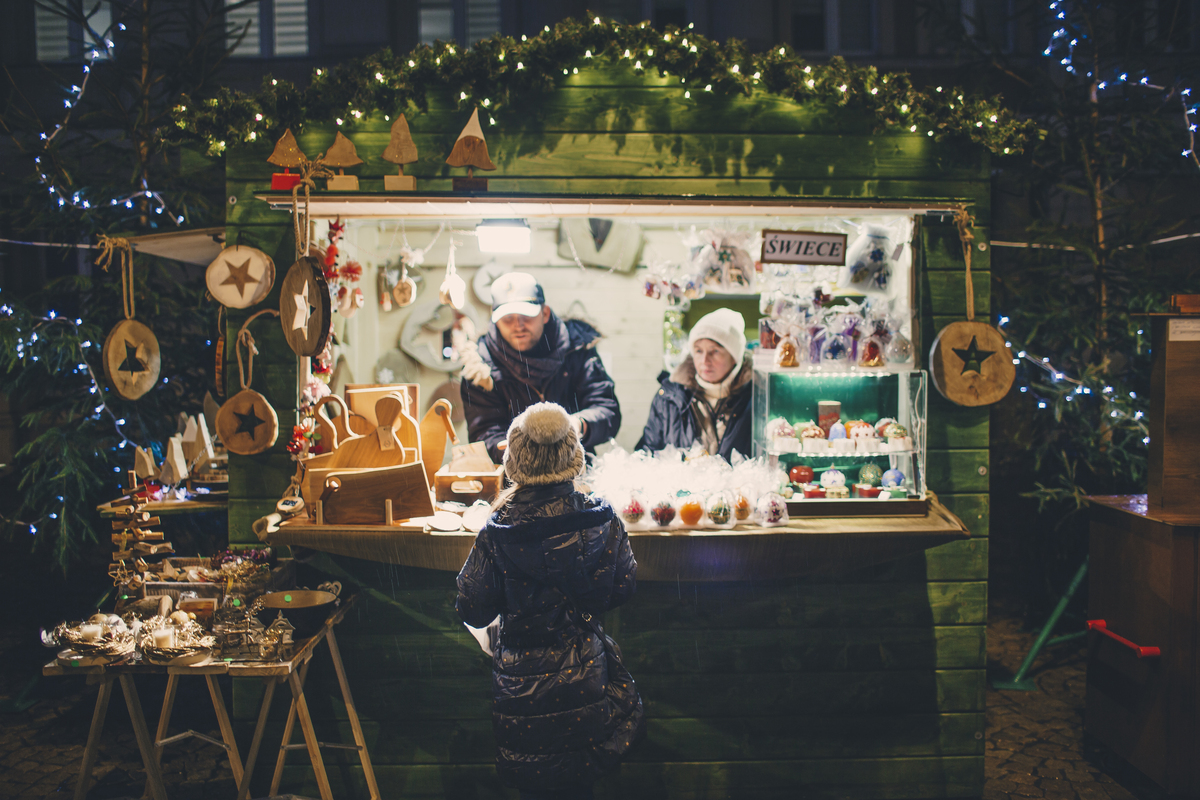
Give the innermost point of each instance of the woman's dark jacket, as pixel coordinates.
(543, 561)
(673, 422)
(580, 385)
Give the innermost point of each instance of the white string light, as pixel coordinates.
(75, 199)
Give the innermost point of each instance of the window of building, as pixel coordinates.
(61, 39)
(483, 19)
(435, 21)
(834, 26)
(242, 31)
(291, 27)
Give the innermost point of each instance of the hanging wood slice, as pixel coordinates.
(131, 359)
(971, 364)
(247, 424)
(304, 307)
(240, 276)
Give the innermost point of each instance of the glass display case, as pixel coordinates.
(848, 439)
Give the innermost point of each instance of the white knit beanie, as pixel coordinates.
(724, 326)
(543, 447)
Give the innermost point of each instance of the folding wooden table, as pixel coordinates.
(292, 671)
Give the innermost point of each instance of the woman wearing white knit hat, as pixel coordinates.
(549, 562)
(706, 400)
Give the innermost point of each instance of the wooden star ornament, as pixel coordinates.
(970, 364)
(305, 307)
(247, 424)
(131, 359)
(240, 276)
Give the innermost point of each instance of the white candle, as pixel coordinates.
(164, 637)
(90, 631)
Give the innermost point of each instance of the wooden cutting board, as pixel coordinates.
(382, 447)
(336, 430)
(360, 496)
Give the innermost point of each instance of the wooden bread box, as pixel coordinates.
(467, 487)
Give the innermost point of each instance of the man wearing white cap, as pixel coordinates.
(531, 356)
(706, 400)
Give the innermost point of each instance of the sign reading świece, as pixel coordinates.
(803, 247)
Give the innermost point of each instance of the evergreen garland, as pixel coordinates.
(498, 72)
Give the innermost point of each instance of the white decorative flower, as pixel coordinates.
(385, 375)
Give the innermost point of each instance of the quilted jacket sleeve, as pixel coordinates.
(480, 596)
(488, 417)
(596, 399)
(625, 572)
(654, 435)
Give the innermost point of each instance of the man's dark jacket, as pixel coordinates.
(672, 421)
(581, 386)
(542, 562)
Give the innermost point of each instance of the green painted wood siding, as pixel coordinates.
(864, 685)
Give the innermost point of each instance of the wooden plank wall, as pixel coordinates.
(862, 685)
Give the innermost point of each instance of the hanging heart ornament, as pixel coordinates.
(240, 276)
(304, 307)
(131, 356)
(970, 362)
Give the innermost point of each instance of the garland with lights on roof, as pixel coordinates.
(499, 73)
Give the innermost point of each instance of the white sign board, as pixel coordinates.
(803, 247)
(1183, 330)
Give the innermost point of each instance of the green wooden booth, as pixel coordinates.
(863, 684)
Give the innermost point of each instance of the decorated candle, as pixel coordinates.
(719, 508)
(164, 637)
(691, 510)
(663, 512)
(90, 631)
(801, 473)
(633, 511)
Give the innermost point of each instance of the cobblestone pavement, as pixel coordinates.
(1034, 739)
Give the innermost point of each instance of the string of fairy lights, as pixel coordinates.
(1123, 409)
(499, 74)
(1062, 46)
(77, 199)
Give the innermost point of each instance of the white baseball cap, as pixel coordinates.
(516, 293)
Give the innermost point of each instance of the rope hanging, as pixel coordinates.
(119, 248)
(964, 222)
(245, 338)
(309, 172)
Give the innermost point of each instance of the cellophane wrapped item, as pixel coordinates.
(643, 480)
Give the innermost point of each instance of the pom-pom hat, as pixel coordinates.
(543, 447)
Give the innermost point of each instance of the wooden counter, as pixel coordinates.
(803, 547)
(1144, 583)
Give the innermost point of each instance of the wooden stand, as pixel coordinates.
(469, 184)
(1173, 479)
(1144, 585)
(293, 672)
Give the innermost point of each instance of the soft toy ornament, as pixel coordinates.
(240, 276)
(131, 356)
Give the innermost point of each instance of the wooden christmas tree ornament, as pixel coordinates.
(341, 154)
(246, 422)
(240, 276)
(970, 362)
(305, 307)
(131, 356)
(287, 154)
(470, 151)
(174, 467)
(401, 150)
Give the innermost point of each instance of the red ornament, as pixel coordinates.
(800, 474)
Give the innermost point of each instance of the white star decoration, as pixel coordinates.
(300, 322)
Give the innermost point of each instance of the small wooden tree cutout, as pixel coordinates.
(341, 154)
(287, 154)
(401, 150)
(470, 151)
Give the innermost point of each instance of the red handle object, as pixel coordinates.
(1101, 626)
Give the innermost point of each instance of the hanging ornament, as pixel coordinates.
(246, 422)
(240, 276)
(970, 362)
(131, 356)
(453, 291)
(349, 301)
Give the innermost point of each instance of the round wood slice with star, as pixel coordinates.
(131, 359)
(971, 364)
(247, 424)
(240, 276)
(304, 307)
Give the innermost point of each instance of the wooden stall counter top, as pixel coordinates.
(1138, 505)
(804, 546)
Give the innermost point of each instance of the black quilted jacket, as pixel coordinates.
(559, 720)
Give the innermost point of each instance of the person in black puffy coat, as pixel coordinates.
(706, 399)
(528, 356)
(550, 561)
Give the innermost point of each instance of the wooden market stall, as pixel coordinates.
(860, 677)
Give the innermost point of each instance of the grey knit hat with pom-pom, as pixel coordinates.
(543, 447)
